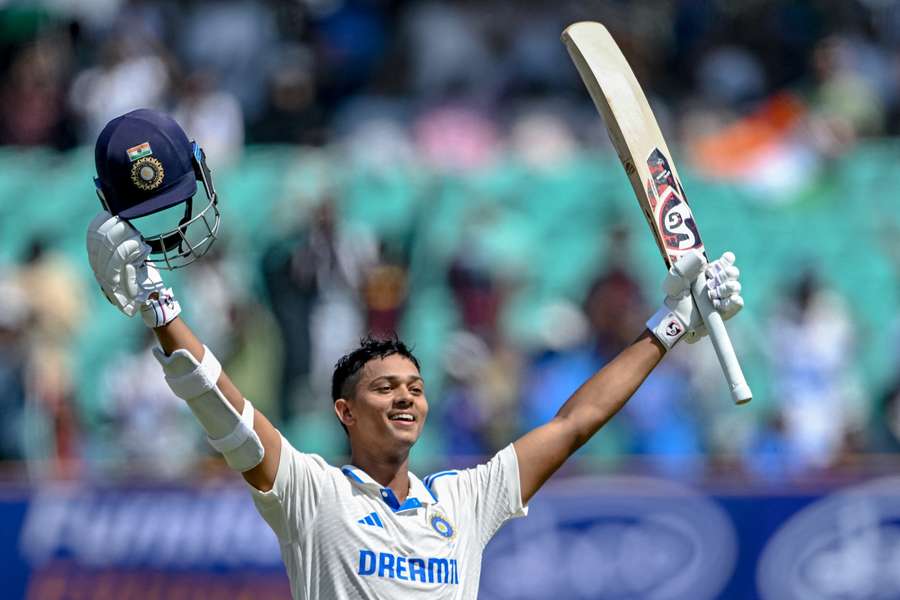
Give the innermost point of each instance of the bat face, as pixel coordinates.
(635, 135)
(638, 141)
(672, 217)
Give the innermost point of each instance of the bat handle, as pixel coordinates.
(718, 335)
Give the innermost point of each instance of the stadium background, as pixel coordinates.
(437, 169)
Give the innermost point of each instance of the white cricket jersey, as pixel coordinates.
(344, 536)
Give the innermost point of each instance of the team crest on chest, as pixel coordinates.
(147, 173)
(442, 526)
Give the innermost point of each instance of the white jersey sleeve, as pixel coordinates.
(492, 492)
(294, 498)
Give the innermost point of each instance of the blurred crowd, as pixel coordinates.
(765, 94)
(304, 71)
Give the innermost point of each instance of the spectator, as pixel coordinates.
(847, 103)
(151, 430)
(232, 41)
(314, 279)
(816, 387)
(219, 286)
(129, 75)
(54, 292)
(13, 369)
(32, 97)
(213, 116)
(291, 113)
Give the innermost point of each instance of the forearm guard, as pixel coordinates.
(196, 382)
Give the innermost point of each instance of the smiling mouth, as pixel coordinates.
(402, 418)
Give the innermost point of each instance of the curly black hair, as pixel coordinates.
(347, 370)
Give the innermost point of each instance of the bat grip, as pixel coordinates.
(718, 335)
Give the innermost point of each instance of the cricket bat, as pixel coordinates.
(639, 143)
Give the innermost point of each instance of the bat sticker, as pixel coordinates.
(651, 195)
(674, 217)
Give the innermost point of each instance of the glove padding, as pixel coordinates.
(680, 317)
(118, 257)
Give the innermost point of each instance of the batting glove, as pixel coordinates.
(679, 317)
(118, 258)
(161, 308)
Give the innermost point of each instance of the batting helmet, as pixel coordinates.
(145, 165)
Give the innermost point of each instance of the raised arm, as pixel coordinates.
(543, 450)
(176, 335)
(247, 440)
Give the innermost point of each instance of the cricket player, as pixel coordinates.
(370, 529)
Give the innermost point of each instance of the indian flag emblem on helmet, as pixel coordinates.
(139, 151)
(440, 524)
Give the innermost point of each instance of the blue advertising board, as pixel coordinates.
(591, 538)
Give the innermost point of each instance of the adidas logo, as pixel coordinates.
(371, 519)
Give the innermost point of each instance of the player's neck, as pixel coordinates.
(389, 471)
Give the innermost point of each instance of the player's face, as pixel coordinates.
(389, 406)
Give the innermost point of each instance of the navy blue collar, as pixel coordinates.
(418, 495)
